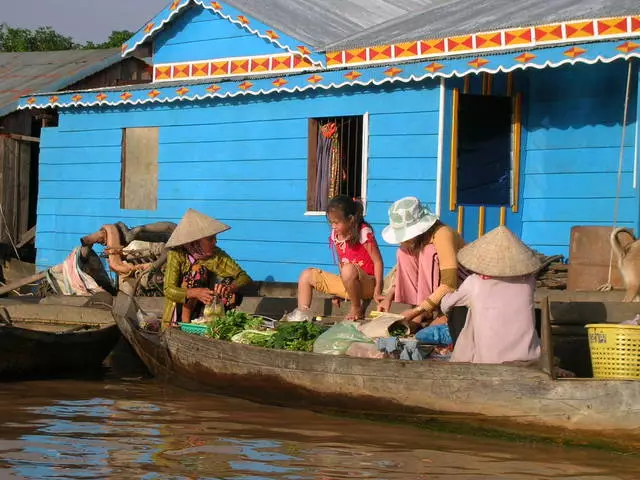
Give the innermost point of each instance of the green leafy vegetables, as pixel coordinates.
(295, 336)
(232, 323)
(398, 330)
(240, 327)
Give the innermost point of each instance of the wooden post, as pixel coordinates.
(546, 354)
(22, 282)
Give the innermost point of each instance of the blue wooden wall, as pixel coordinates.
(573, 137)
(200, 34)
(243, 161)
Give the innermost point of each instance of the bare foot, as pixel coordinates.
(355, 314)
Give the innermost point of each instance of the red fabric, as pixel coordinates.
(356, 254)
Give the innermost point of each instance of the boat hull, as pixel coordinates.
(43, 341)
(497, 395)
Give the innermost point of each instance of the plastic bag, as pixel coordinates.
(364, 350)
(435, 335)
(259, 338)
(380, 326)
(339, 338)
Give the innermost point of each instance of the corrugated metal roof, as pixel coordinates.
(456, 17)
(28, 72)
(318, 23)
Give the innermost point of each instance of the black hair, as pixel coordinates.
(349, 208)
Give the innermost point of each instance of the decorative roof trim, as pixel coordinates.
(490, 42)
(277, 64)
(604, 52)
(228, 13)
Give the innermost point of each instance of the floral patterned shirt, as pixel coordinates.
(356, 254)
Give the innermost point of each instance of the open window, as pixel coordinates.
(139, 170)
(337, 160)
(484, 150)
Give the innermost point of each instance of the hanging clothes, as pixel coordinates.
(328, 162)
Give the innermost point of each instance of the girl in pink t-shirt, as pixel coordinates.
(359, 261)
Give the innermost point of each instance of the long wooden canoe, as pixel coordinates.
(53, 340)
(502, 396)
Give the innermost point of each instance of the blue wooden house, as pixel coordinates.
(511, 112)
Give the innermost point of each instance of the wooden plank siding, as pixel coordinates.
(243, 161)
(573, 137)
(200, 34)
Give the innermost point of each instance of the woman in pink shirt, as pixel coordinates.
(359, 261)
(500, 324)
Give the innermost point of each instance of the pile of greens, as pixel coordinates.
(298, 336)
(244, 328)
(232, 323)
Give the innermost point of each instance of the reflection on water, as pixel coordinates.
(88, 430)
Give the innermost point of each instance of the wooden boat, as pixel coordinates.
(497, 396)
(58, 340)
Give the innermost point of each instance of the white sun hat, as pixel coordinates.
(408, 218)
(499, 253)
(194, 226)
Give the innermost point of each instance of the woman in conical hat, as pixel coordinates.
(500, 324)
(427, 267)
(194, 263)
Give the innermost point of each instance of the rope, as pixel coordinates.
(6, 226)
(608, 286)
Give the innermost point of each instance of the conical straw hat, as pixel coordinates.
(194, 226)
(499, 253)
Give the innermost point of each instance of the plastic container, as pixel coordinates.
(615, 350)
(194, 328)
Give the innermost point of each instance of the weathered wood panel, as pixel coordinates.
(139, 168)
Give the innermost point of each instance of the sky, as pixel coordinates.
(83, 20)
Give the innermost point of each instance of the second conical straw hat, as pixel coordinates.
(499, 253)
(194, 226)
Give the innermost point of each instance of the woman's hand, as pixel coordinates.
(412, 315)
(224, 290)
(203, 295)
(384, 302)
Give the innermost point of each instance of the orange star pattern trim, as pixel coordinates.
(525, 57)
(101, 96)
(175, 4)
(126, 96)
(575, 52)
(279, 82)
(434, 67)
(213, 88)
(148, 27)
(272, 35)
(245, 86)
(31, 100)
(153, 93)
(627, 47)
(304, 50)
(478, 62)
(314, 79)
(392, 72)
(353, 75)
(54, 99)
(76, 98)
(243, 20)
(216, 6)
(182, 91)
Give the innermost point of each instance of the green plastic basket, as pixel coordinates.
(193, 328)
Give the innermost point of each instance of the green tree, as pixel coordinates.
(44, 39)
(41, 39)
(117, 38)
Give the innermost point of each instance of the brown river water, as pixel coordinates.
(72, 429)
